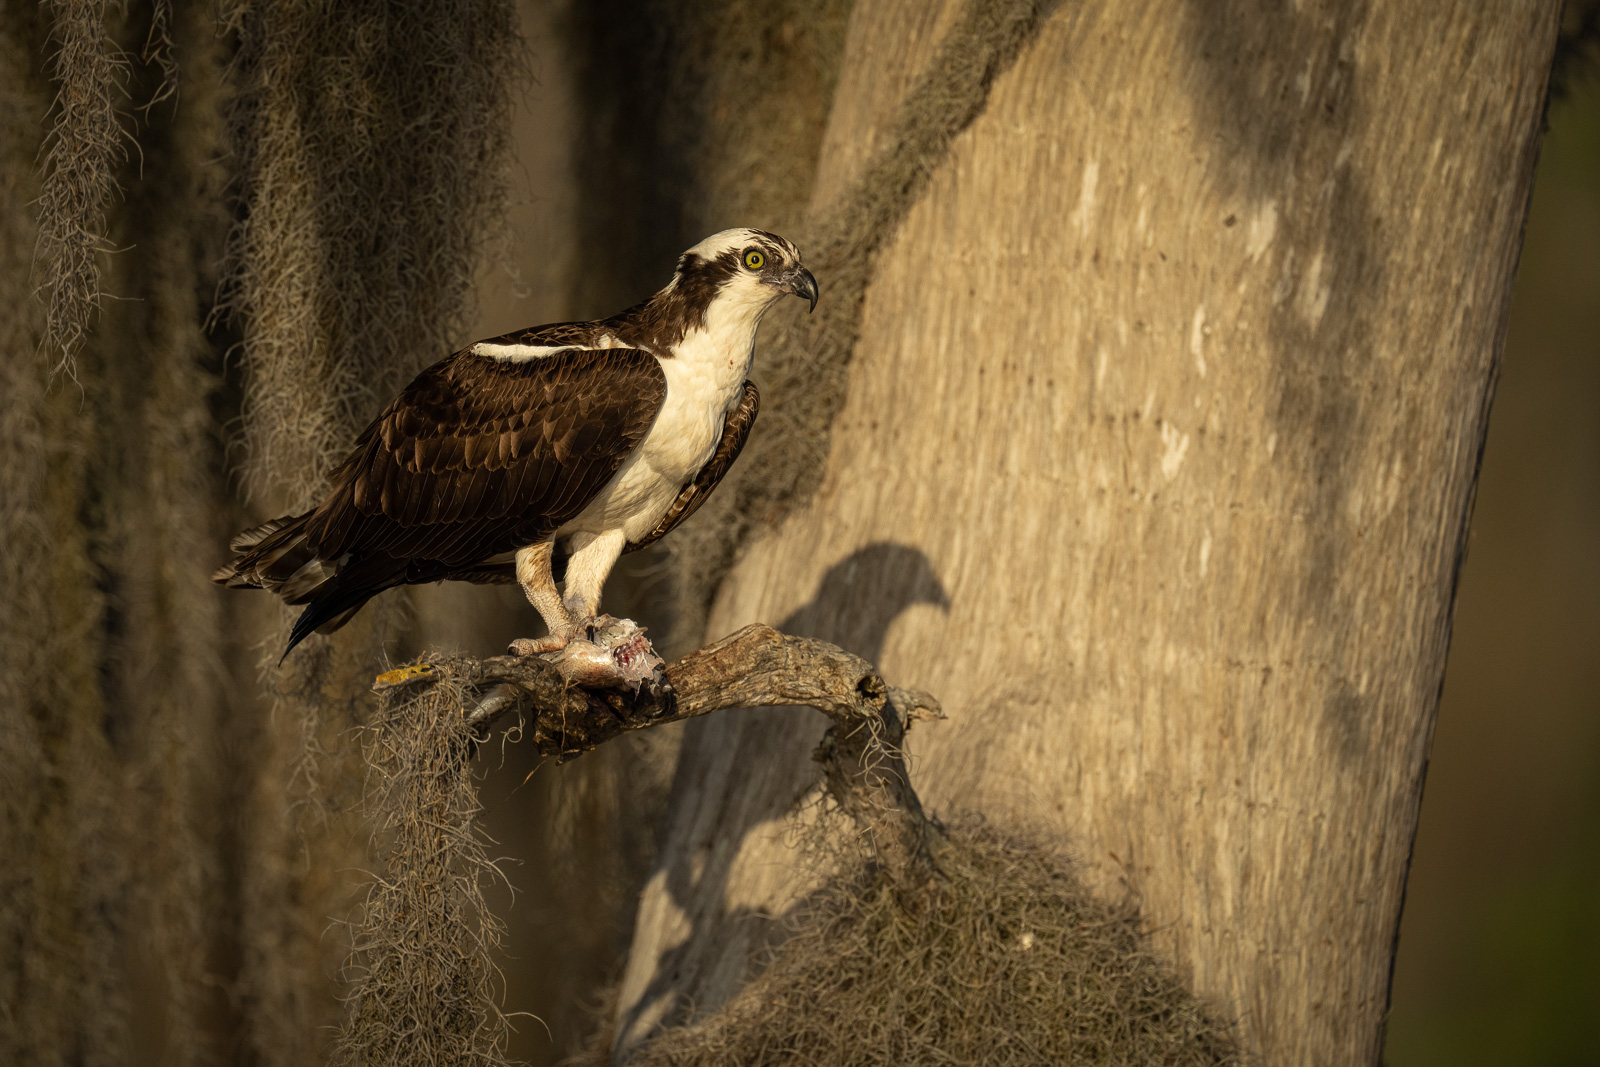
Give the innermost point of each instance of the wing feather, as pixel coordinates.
(475, 458)
(477, 454)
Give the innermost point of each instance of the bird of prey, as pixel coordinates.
(573, 441)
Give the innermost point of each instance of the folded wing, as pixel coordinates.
(476, 458)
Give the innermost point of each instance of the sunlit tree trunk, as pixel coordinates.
(1171, 383)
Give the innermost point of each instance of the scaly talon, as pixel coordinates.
(534, 646)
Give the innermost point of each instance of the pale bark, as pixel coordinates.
(1174, 383)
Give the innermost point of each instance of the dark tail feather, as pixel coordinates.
(321, 616)
(340, 597)
(268, 555)
(245, 540)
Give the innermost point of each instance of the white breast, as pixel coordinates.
(705, 378)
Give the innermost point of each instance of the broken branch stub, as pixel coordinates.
(861, 754)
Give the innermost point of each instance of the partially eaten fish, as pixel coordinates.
(607, 654)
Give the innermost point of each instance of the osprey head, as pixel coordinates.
(746, 266)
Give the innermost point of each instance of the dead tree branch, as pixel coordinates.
(862, 753)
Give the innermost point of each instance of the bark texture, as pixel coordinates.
(1172, 384)
(756, 667)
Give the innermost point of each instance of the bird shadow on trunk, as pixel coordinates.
(967, 944)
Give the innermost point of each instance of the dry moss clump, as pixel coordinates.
(81, 153)
(1008, 961)
(423, 973)
(370, 161)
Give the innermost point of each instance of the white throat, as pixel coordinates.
(718, 354)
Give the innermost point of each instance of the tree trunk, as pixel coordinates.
(1162, 424)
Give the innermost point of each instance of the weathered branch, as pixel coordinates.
(861, 754)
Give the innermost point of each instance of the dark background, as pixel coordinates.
(1499, 958)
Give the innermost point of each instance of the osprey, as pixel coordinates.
(572, 441)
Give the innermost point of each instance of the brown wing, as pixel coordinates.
(735, 428)
(481, 456)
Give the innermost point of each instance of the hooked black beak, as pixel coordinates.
(800, 282)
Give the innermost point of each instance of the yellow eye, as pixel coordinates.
(754, 260)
